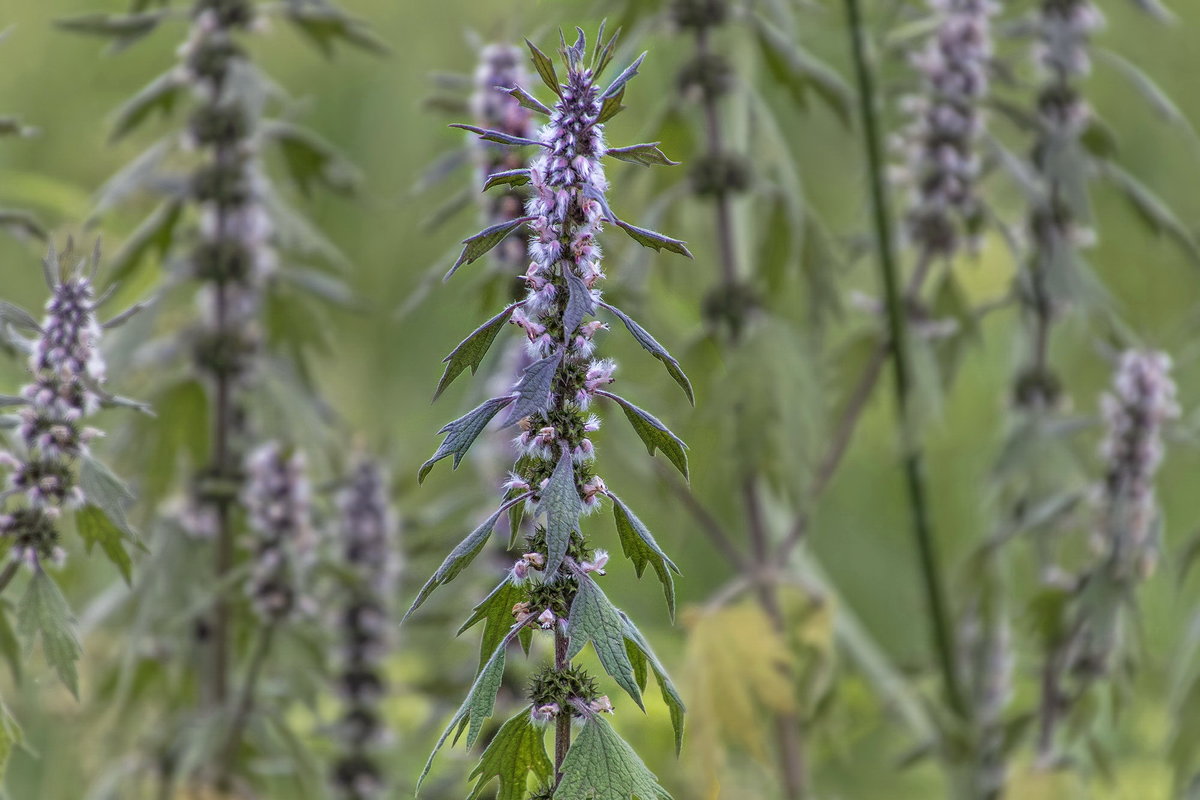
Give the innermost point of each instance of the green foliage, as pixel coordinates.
(43, 613)
(516, 752)
(95, 526)
(475, 247)
(647, 155)
(544, 67)
(653, 433)
(594, 619)
(561, 505)
(496, 613)
(601, 766)
(653, 239)
(642, 657)
(462, 433)
(470, 351)
(107, 492)
(10, 737)
(533, 391)
(651, 345)
(638, 545)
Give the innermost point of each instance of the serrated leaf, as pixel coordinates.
(95, 527)
(647, 155)
(560, 504)
(653, 433)
(479, 705)
(471, 351)
(495, 612)
(642, 657)
(325, 26)
(639, 547)
(311, 160)
(601, 766)
(526, 100)
(594, 619)
(106, 491)
(160, 96)
(611, 107)
(801, 72)
(545, 68)
(42, 612)
(459, 559)
(653, 239)
(517, 751)
(512, 177)
(462, 432)
(123, 29)
(500, 137)
(476, 246)
(1153, 210)
(580, 302)
(650, 345)
(533, 391)
(618, 84)
(155, 234)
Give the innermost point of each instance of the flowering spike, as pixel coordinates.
(277, 497)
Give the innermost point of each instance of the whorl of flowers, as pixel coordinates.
(943, 162)
(1064, 31)
(1141, 401)
(501, 67)
(277, 500)
(67, 371)
(367, 529)
(553, 477)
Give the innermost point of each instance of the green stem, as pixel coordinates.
(913, 462)
(245, 706)
(10, 572)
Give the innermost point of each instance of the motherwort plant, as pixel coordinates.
(553, 586)
(366, 531)
(52, 474)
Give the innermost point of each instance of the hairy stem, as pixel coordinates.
(913, 462)
(562, 723)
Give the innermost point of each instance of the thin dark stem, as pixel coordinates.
(709, 525)
(10, 572)
(716, 145)
(241, 714)
(914, 472)
(562, 724)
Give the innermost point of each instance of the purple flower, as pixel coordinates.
(277, 497)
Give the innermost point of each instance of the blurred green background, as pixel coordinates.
(380, 372)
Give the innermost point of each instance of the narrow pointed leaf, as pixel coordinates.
(611, 107)
(1153, 210)
(801, 72)
(533, 392)
(639, 547)
(123, 29)
(495, 612)
(154, 235)
(655, 349)
(594, 619)
(459, 559)
(106, 491)
(17, 317)
(642, 656)
(95, 528)
(580, 303)
(545, 68)
(471, 351)
(647, 155)
(528, 101)
(604, 53)
(561, 504)
(462, 432)
(653, 239)
(479, 244)
(653, 433)
(42, 612)
(512, 177)
(160, 95)
(500, 137)
(619, 82)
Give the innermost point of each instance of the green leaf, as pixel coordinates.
(639, 547)
(325, 26)
(123, 29)
(160, 96)
(500, 137)
(462, 432)
(653, 239)
(528, 101)
(602, 766)
(512, 177)
(311, 160)
(1153, 210)
(479, 705)
(801, 72)
(43, 612)
(1158, 99)
(655, 349)
(470, 351)
(653, 433)
(533, 392)
(181, 427)
(106, 491)
(10, 647)
(545, 68)
(17, 317)
(10, 736)
(580, 302)
(495, 612)
(460, 558)
(155, 234)
(611, 107)
(22, 223)
(96, 528)
(594, 619)
(647, 155)
(603, 54)
(561, 504)
(618, 84)
(479, 244)
(517, 750)
(642, 657)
